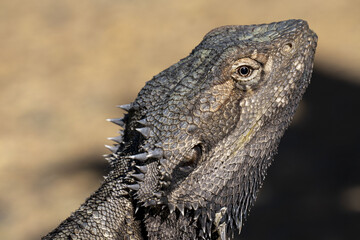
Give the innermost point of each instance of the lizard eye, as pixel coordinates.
(246, 71)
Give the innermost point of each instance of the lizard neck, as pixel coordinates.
(101, 216)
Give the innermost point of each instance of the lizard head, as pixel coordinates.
(210, 124)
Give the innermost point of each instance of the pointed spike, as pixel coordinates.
(156, 153)
(145, 131)
(112, 148)
(125, 107)
(143, 121)
(195, 205)
(109, 159)
(208, 228)
(151, 202)
(142, 169)
(180, 206)
(171, 207)
(118, 139)
(138, 176)
(238, 222)
(136, 209)
(229, 219)
(201, 234)
(134, 187)
(203, 223)
(118, 121)
(157, 194)
(197, 214)
(111, 162)
(140, 156)
(208, 212)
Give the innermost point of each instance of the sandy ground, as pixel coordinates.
(64, 65)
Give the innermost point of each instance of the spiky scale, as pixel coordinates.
(201, 235)
(138, 176)
(157, 194)
(125, 107)
(195, 205)
(180, 206)
(110, 159)
(197, 214)
(117, 139)
(156, 153)
(171, 207)
(208, 212)
(117, 121)
(145, 131)
(113, 149)
(140, 156)
(142, 169)
(143, 121)
(150, 202)
(134, 187)
(203, 222)
(238, 222)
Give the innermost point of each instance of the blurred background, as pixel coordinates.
(64, 65)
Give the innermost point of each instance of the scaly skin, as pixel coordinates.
(199, 137)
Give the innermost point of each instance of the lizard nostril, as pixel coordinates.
(287, 47)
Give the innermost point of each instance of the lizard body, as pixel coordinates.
(199, 137)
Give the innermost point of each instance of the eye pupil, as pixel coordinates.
(244, 71)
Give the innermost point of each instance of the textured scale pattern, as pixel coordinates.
(199, 137)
